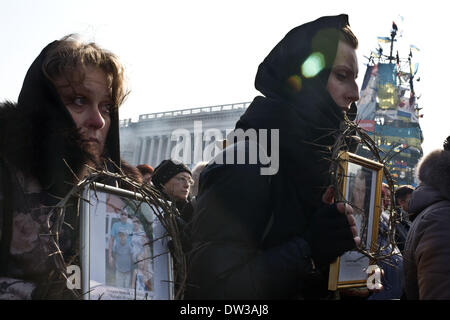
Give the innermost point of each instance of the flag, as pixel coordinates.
(384, 39)
(414, 47)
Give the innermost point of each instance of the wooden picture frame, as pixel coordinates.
(360, 183)
(112, 226)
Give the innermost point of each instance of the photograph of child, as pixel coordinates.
(128, 257)
(123, 259)
(129, 254)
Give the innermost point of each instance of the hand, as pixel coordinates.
(348, 211)
(328, 198)
(332, 232)
(328, 195)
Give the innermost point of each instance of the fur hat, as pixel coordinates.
(166, 170)
(434, 169)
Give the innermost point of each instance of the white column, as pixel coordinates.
(159, 154)
(143, 150)
(191, 160)
(137, 151)
(150, 155)
(168, 148)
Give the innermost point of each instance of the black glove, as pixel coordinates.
(329, 235)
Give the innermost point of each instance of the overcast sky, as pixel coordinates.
(185, 54)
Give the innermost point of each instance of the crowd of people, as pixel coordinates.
(250, 236)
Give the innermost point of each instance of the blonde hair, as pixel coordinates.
(196, 176)
(69, 57)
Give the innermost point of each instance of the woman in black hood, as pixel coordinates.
(66, 118)
(266, 236)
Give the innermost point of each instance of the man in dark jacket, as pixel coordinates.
(427, 250)
(402, 196)
(271, 236)
(66, 118)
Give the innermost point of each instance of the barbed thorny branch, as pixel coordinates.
(164, 210)
(349, 136)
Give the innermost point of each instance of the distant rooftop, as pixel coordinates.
(186, 112)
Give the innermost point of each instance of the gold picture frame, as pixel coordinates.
(359, 181)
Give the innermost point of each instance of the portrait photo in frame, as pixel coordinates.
(124, 252)
(359, 181)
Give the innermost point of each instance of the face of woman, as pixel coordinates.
(89, 103)
(342, 80)
(178, 186)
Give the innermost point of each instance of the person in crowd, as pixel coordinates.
(402, 195)
(272, 236)
(427, 250)
(146, 171)
(174, 180)
(196, 177)
(66, 118)
(386, 197)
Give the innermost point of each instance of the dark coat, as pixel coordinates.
(248, 228)
(427, 249)
(36, 134)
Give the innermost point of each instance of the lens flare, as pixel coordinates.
(295, 83)
(313, 65)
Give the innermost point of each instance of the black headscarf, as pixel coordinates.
(44, 133)
(306, 115)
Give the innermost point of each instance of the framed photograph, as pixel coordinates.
(360, 182)
(124, 253)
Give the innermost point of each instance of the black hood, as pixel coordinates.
(308, 119)
(288, 56)
(312, 101)
(40, 131)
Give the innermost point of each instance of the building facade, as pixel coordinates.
(189, 135)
